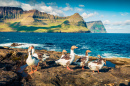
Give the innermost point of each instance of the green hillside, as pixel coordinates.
(35, 21)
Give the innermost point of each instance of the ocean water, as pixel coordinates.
(107, 45)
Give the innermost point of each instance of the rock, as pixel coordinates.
(6, 47)
(16, 44)
(1, 47)
(56, 75)
(8, 78)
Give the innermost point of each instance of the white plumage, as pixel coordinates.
(31, 60)
(66, 60)
(97, 64)
(81, 63)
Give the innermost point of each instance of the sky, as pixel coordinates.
(115, 14)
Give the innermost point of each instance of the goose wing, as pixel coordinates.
(81, 59)
(66, 57)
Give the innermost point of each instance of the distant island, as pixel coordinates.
(14, 19)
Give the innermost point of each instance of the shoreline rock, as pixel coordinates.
(55, 75)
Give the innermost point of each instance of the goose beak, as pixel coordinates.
(105, 63)
(88, 51)
(64, 51)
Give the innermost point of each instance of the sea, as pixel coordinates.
(108, 45)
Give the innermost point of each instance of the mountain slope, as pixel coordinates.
(14, 19)
(96, 27)
(36, 21)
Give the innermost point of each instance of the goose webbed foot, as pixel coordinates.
(98, 71)
(69, 68)
(31, 72)
(36, 69)
(83, 68)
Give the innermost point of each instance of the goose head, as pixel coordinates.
(32, 47)
(87, 51)
(63, 52)
(73, 47)
(101, 59)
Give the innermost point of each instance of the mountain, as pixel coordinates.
(96, 27)
(14, 19)
(10, 12)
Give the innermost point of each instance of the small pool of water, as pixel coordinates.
(21, 70)
(109, 64)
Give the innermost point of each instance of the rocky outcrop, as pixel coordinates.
(10, 12)
(49, 74)
(96, 27)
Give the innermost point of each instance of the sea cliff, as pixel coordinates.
(15, 19)
(96, 27)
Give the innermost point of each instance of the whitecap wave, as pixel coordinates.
(24, 45)
(37, 46)
(112, 55)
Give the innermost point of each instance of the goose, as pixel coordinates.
(97, 64)
(83, 60)
(63, 53)
(66, 60)
(32, 61)
(38, 55)
(59, 61)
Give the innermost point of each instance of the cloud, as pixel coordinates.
(117, 23)
(113, 28)
(127, 22)
(102, 16)
(124, 14)
(113, 15)
(52, 4)
(106, 22)
(26, 7)
(46, 9)
(85, 15)
(81, 5)
(78, 9)
(67, 8)
(11, 3)
(52, 10)
(121, 23)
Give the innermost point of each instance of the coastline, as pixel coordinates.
(11, 59)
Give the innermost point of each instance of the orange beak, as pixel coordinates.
(88, 51)
(105, 63)
(76, 47)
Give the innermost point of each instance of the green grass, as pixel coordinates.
(39, 25)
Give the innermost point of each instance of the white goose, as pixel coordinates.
(32, 61)
(38, 55)
(66, 60)
(97, 64)
(63, 53)
(83, 60)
